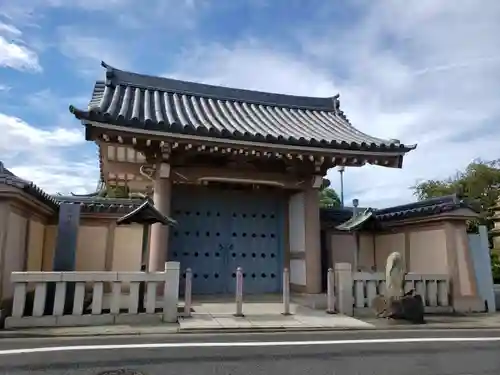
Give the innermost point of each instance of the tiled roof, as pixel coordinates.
(356, 222)
(146, 214)
(340, 217)
(141, 209)
(4, 171)
(331, 216)
(9, 178)
(161, 104)
(102, 205)
(433, 206)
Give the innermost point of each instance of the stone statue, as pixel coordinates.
(395, 304)
(394, 276)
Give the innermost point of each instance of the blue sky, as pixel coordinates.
(422, 71)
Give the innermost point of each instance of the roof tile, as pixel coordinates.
(162, 104)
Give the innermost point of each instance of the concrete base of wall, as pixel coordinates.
(369, 312)
(3, 316)
(313, 301)
(82, 320)
(468, 304)
(496, 290)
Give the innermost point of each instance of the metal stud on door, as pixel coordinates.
(195, 241)
(255, 230)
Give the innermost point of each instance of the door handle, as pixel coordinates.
(226, 247)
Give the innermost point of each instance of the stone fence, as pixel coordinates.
(355, 291)
(79, 298)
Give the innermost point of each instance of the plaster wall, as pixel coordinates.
(423, 249)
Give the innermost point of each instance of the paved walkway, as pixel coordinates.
(268, 315)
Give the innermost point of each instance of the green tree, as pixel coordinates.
(328, 198)
(479, 184)
(495, 267)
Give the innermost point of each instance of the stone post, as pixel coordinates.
(171, 292)
(345, 299)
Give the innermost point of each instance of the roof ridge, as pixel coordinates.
(116, 76)
(4, 171)
(446, 199)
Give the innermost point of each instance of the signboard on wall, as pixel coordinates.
(67, 236)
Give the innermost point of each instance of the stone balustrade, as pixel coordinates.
(123, 305)
(433, 288)
(358, 289)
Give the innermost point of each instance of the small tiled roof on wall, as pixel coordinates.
(141, 211)
(146, 214)
(102, 205)
(89, 204)
(148, 103)
(433, 206)
(340, 218)
(9, 178)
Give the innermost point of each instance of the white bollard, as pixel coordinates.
(239, 292)
(187, 292)
(330, 292)
(286, 292)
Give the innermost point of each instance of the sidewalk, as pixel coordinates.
(303, 319)
(438, 321)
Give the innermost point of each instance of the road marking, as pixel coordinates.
(247, 344)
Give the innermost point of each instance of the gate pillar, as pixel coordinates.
(312, 241)
(162, 191)
(305, 243)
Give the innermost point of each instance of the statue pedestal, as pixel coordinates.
(408, 307)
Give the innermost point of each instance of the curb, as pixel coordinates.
(411, 328)
(27, 335)
(273, 330)
(33, 335)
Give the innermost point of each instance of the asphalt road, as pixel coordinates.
(445, 352)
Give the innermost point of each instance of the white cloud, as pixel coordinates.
(88, 51)
(236, 66)
(424, 72)
(10, 30)
(38, 155)
(14, 53)
(20, 136)
(125, 13)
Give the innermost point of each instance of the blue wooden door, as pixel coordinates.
(219, 231)
(197, 241)
(256, 242)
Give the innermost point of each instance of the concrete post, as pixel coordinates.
(286, 292)
(171, 292)
(345, 301)
(239, 292)
(187, 292)
(330, 292)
